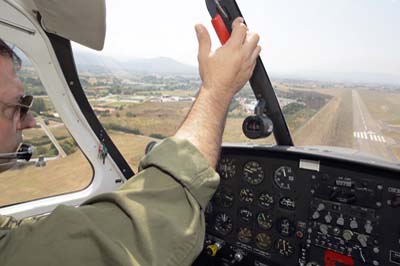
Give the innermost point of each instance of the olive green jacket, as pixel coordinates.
(156, 218)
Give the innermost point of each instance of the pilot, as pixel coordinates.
(155, 218)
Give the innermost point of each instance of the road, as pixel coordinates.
(61, 152)
(367, 132)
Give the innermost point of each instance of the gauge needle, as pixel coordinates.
(248, 170)
(284, 172)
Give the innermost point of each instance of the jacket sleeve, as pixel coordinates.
(156, 218)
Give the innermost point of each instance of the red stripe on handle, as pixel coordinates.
(220, 29)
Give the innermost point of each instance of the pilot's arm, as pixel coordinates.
(157, 217)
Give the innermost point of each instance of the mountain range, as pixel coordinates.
(102, 64)
(95, 63)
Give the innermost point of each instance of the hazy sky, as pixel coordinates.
(296, 35)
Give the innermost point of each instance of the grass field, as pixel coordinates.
(64, 175)
(384, 107)
(150, 118)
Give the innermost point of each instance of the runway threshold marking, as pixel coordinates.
(368, 135)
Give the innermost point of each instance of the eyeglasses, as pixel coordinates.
(24, 104)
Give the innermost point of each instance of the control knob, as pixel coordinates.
(347, 235)
(315, 215)
(321, 207)
(324, 229)
(328, 218)
(213, 249)
(363, 240)
(353, 224)
(368, 227)
(238, 257)
(340, 220)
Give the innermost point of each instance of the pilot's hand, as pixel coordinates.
(228, 68)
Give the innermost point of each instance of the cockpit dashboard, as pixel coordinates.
(280, 206)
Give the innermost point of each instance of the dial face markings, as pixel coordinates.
(226, 168)
(287, 203)
(224, 198)
(284, 178)
(284, 247)
(245, 235)
(223, 223)
(285, 227)
(263, 241)
(266, 200)
(264, 221)
(253, 173)
(246, 195)
(245, 215)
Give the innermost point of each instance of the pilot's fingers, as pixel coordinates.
(255, 54)
(204, 41)
(251, 43)
(239, 31)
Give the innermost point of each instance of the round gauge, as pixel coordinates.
(245, 215)
(245, 235)
(285, 227)
(287, 203)
(224, 198)
(223, 223)
(284, 177)
(226, 168)
(284, 247)
(266, 200)
(264, 221)
(263, 241)
(246, 195)
(209, 208)
(253, 173)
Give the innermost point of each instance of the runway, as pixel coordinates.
(367, 132)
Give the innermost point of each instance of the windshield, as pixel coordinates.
(334, 65)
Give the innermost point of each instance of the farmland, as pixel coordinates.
(144, 108)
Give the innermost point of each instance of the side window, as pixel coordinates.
(57, 166)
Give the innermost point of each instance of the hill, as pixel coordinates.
(90, 62)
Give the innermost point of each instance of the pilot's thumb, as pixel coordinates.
(204, 40)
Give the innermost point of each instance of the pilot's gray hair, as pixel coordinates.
(6, 51)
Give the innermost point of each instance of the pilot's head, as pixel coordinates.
(14, 116)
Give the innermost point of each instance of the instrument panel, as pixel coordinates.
(281, 207)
